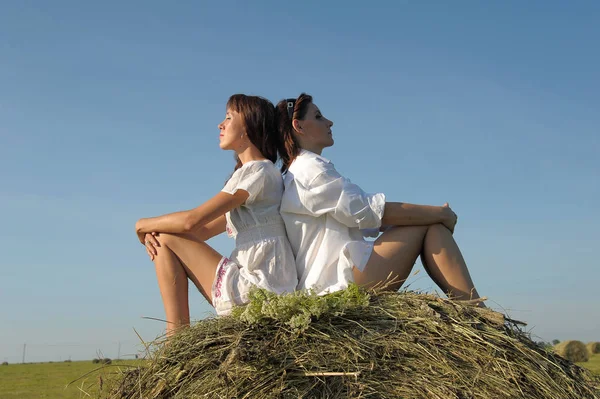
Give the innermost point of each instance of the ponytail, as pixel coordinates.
(286, 112)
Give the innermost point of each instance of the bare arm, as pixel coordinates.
(403, 214)
(194, 219)
(329, 192)
(211, 229)
(204, 233)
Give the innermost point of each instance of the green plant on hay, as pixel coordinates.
(353, 344)
(297, 310)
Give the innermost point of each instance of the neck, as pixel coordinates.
(312, 148)
(250, 153)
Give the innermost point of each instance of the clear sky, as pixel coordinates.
(109, 113)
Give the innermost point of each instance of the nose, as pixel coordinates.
(330, 122)
(220, 126)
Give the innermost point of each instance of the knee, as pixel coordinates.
(436, 230)
(165, 239)
(174, 242)
(436, 227)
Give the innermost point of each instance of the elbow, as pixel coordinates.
(189, 225)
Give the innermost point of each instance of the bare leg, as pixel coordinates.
(173, 285)
(445, 264)
(397, 249)
(394, 256)
(181, 257)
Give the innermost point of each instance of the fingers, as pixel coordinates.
(151, 249)
(151, 243)
(447, 205)
(150, 254)
(151, 238)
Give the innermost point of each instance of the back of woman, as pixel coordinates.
(247, 208)
(327, 217)
(261, 243)
(324, 214)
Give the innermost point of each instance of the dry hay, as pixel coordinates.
(354, 345)
(574, 351)
(593, 347)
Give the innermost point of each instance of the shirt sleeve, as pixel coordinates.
(329, 192)
(250, 178)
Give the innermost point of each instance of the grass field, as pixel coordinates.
(593, 364)
(48, 380)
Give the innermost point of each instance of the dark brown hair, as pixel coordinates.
(289, 148)
(258, 114)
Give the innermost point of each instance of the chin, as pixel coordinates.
(224, 146)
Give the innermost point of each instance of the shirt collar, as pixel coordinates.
(310, 154)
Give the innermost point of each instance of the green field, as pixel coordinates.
(593, 364)
(48, 380)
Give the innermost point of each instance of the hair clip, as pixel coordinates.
(290, 109)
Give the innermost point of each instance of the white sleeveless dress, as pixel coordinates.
(262, 256)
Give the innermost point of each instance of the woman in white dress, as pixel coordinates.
(247, 208)
(327, 218)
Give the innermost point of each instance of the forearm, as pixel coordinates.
(192, 220)
(403, 214)
(170, 223)
(211, 229)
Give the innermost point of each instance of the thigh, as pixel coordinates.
(394, 255)
(199, 259)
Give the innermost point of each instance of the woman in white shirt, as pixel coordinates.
(247, 208)
(327, 217)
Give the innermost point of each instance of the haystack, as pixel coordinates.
(574, 351)
(353, 344)
(593, 347)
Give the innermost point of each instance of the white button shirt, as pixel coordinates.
(324, 214)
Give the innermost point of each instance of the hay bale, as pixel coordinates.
(354, 344)
(574, 351)
(593, 347)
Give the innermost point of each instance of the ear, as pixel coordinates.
(297, 127)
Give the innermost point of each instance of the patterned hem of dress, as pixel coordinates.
(219, 277)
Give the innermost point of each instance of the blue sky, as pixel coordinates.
(109, 113)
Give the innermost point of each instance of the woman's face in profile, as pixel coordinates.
(232, 130)
(316, 129)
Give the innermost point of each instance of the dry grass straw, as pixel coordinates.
(593, 347)
(574, 351)
(354, 345)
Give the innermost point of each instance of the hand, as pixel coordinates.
(148, 240)
(449, 218)
(151, 243)
(138, 231)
